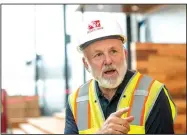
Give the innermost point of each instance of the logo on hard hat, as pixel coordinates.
(94, 25)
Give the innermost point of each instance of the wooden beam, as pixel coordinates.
(142, 8)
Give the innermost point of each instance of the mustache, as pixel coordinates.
(108, 68)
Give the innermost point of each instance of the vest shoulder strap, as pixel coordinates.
(139, 98)
(83, 107)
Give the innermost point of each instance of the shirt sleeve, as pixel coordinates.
(70, 125)
(160, 119)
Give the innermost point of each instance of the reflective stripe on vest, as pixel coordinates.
(139, 98)
(83, 108)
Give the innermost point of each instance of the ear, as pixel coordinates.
(85, 63)
(126, 53)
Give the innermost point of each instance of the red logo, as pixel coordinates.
(94, 25)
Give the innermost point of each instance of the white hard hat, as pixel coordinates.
(97, 28)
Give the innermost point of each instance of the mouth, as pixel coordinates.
(110, 72)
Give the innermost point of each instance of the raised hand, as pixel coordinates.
(115, 124)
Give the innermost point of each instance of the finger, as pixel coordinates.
(120, 112)
(116, 120)
(127, 125)
(129, 119)
(125, 130)
(122, 121)
(121, 128)
(113, 131)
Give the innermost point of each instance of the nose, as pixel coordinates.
(108, 60)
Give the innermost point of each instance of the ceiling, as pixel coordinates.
(133, 8)
(127, 8)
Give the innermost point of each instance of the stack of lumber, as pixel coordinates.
(32, 106)
(15, 110)
(166, 63)
(42, 125)
(21, 107)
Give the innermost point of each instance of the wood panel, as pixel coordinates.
(48, 125)
(167, 64)
(17, 131)
(181, 106)
(141, 8)
(29, 129)
(59, 115)
(180, 124)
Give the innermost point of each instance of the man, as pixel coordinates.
(117, 100)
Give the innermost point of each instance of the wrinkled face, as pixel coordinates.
(106, 61)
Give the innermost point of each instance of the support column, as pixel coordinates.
(129, 36)
(66, 71)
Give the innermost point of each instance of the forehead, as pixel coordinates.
(104, 44)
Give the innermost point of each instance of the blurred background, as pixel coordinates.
(41, 66)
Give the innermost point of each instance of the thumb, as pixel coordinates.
(120, 112)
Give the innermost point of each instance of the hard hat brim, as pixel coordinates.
(86, 44)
